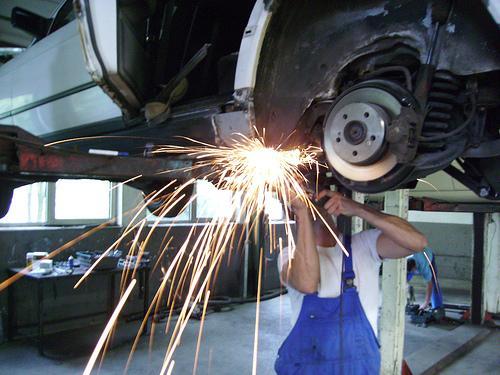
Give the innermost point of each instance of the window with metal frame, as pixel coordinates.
(28, 206)
(212, 203)
(65, 202)
(64, 15)
(209, 203)
(81, 202)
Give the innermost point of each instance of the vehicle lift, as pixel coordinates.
(26, 159)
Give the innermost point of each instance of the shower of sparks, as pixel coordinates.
(427, 183)
(253, 172)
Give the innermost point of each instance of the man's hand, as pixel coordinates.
(424, 305)
(297, 203)
(337, 204)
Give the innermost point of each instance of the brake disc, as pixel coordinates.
(355, 133)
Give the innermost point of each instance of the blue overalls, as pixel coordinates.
(332, 335)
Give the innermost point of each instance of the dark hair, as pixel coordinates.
(410, 264)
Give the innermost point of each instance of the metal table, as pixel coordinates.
(40, 280)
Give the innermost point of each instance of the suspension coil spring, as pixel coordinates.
(442, 100)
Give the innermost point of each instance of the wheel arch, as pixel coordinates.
(302, 50)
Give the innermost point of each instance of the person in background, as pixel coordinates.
(420, 264)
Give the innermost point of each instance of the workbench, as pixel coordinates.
(40, 280)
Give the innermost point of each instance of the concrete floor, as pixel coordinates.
(227, 347)
(484, 359)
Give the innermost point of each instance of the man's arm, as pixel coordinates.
(302, 272)
(398, 239)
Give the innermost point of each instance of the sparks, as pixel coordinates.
(247, 168)
(255, 171)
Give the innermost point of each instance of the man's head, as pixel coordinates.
(323, 236)
(410, 265)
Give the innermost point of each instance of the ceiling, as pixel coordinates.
(440, 186)
(10, 36)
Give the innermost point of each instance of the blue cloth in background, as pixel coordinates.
(424, 269)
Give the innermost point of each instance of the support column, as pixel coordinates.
(491, 290)
(357, 222)
(392, 319)
(477, 268)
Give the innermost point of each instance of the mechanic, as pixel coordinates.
(419, 264)
(335, 298)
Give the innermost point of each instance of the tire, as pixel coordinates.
(6, 194)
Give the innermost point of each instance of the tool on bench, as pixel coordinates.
(88, 258)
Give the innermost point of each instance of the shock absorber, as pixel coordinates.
(442, 101)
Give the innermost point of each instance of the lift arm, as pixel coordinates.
(25, 159)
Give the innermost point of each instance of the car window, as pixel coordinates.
(65, 15)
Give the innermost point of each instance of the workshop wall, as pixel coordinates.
(450, 237)
(15, 243)
(92, 298)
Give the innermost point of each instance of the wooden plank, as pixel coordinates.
(491, 290)
(392, 319)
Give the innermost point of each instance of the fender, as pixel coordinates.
(253, 38)
(249, 52)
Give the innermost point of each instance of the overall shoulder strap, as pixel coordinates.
(348, 274)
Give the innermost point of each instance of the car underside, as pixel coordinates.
(392, 91)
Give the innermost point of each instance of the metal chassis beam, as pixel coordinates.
(25, 159)
(427, 204)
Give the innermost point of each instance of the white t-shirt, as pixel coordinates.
(366, 263)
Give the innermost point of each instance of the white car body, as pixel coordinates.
(67, 73)
(53, 86)
(47, 88)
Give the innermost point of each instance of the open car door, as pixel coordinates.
(113, 35)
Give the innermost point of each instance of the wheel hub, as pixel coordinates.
(355, 132)
(360, 131)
